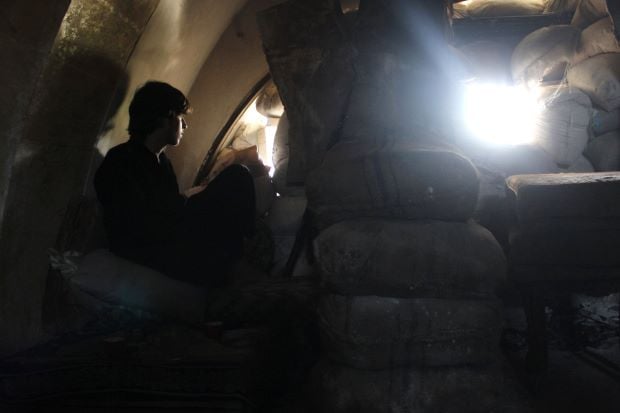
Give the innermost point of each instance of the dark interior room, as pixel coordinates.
(302, 206)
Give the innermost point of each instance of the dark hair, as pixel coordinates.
(152, 102)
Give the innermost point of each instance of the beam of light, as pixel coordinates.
(501, 114)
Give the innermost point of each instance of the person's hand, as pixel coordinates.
(194, 190)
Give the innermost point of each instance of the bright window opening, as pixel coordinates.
(501, 114)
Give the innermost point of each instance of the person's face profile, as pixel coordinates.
(176, 127)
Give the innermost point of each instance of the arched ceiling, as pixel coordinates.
(175, 44)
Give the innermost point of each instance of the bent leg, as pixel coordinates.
(210, 238)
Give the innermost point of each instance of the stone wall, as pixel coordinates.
(69, 96)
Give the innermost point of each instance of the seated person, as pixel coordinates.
(196, 236)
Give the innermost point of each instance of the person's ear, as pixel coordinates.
(163, 122)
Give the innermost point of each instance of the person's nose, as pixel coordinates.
(183, 124)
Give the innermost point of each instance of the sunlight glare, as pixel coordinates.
(501, 114)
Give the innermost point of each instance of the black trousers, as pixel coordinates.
(209, 239)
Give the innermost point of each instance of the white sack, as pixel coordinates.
(544, 53)
(604, 151)
(596, 39)
(561, 6)
(562, 127)
(119, 281)
(581, 165)
(603, 121)
(599, 77)
(588, 12)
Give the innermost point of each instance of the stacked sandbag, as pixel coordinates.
(603, 121)
(562, 128)
(598, 38)
(589, 11)
(604, 151)
(286, 215)
(392, 179)
(599, 77)
(409, 281)
(498, 8)
(285, 220)
(432, 390)
(581, 165)
(595, 70)
(544, 54)
(409, 293)
(561, 6)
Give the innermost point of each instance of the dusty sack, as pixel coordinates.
(392, 179)
(341, 389)
(562, 126)
(372, 332)
(391, 99)
(410, 259)
(604, 151)
(599, 77)
(544, 52)
(603, 121)
(495, 8)
(284, 221)
(589, 11)
(598, 38)
(580, 165)
(561, 6)
(116, 280)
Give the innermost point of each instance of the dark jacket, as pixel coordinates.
(141, 202)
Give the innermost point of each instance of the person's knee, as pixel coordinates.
(236, 172)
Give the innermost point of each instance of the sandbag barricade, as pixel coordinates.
(409, 281)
